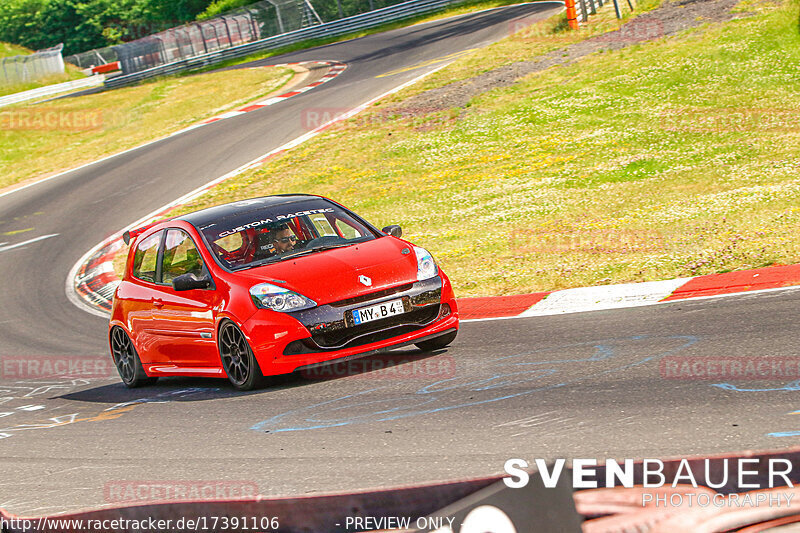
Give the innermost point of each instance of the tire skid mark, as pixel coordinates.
(514, 370)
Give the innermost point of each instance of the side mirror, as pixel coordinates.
(187, 282)
(394, 230)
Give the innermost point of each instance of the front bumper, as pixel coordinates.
(328, 333)
(332, 326)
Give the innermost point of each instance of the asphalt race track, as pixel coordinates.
(583, 385)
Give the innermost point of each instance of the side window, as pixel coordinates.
(180, 256)
(323, 226)
(145, 257)
(231, 242)
(347, 230)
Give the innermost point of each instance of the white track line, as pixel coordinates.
(20, 244)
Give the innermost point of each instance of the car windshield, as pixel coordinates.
(254, 237)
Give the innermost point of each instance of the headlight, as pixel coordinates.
(426, 266)
(268, 296)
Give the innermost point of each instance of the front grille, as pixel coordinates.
(372, 296)
(332, 328)
(377, 330)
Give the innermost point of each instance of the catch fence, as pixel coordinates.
(31, 67)
(251, 23)
(92, 58)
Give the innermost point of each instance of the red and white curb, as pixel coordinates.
(96, 280)
(628, 294)
(337, 68)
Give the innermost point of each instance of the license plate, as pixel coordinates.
(376, 312)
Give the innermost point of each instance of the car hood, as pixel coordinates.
(333, 275)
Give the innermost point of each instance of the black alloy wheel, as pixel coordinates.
(127, 360)
(237, 357)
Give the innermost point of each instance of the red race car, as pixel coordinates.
(271, 286)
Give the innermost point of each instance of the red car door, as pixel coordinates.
(184, 320)
(138, 296)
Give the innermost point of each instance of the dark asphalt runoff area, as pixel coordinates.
(596, 385)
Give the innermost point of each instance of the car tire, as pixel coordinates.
(438, 343)
(238, 361)
(127, 361)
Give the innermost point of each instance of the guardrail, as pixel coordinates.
(49, 90)
(320, 31)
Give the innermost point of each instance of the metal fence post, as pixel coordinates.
(584, 12)
(202, 36)
(236, 33)
(254, 24)
(227, 30)
(617, 9)
(163, 50)
(309, 7)
(280, 18)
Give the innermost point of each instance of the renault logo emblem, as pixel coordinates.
(365, 280)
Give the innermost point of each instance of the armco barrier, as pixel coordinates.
(320, 31)
(50, 90)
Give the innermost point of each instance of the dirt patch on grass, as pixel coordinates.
(668, 19)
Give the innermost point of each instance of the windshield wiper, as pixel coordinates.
(316, 249)
(291, 255)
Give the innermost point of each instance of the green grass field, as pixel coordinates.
(42, 139)
(665, 159)
(8, 49)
